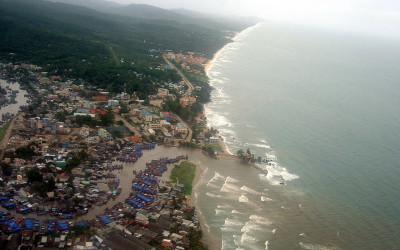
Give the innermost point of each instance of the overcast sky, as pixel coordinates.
(370, 16)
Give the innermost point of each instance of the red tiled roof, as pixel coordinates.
(135, 139)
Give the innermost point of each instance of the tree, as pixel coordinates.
(6, 169)
(240, 153)
(117, 134)
(25, 152)
(34, 175)
(124, 109)
(106, 119)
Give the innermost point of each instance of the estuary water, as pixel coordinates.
(325, 107)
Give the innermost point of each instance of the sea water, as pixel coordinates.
(324, 106)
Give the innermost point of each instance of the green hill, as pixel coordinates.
(107, 50)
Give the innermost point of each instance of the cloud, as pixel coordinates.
(368, 16)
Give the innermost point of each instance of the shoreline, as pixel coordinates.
(208, 238)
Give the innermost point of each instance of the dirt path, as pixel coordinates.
(7, 135)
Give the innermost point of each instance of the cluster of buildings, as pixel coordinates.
(62, 171)
(192, 62)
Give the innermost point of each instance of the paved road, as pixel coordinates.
(187, 82)
(187, 93)
(128, 125)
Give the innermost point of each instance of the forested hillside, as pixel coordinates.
(107, 50)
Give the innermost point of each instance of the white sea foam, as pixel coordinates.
(236, 212)
(271, 157)
(212, 185)
(230, 188)
(258, 145)
(226, 60)
(277, 174)
(216, 120)
(232, 225)
(229, 222)
(246, 238)
(260, 220)
(264, 198)
(243, 198)
(230, 179)
(250, 226)
(249, 190)
(309, 246)
(215, 178)
(211, 195)
(220, 211)
(274, 231)
(225, 206)
(266, 244)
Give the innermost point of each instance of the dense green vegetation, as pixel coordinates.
(187, 113)
(184, 173)
(103, 120)
(211, 148)
(25, 152)
(110, 51)
(6, 169)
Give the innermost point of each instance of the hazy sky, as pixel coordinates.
(371, 16)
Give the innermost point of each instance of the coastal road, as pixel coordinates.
(185, 80)
(128, 125)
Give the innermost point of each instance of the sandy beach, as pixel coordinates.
(210, 62)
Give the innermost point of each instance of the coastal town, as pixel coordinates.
(63, 156)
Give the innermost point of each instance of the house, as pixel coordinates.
(92, 140)
(135, 139)
(213, 140)
(147, 116)
(113, 103)
(180, 128)
(155, 125)
(162, 92)
(166, 116)
(166, 243)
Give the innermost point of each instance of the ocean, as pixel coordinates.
(325, 107)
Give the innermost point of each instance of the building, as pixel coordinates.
(180, 128)
(113, 103)
(147, 116)
(155, 125)
(162, 92)
(213, 140)
(166, 116)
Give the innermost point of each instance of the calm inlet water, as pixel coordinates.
(326, 108)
